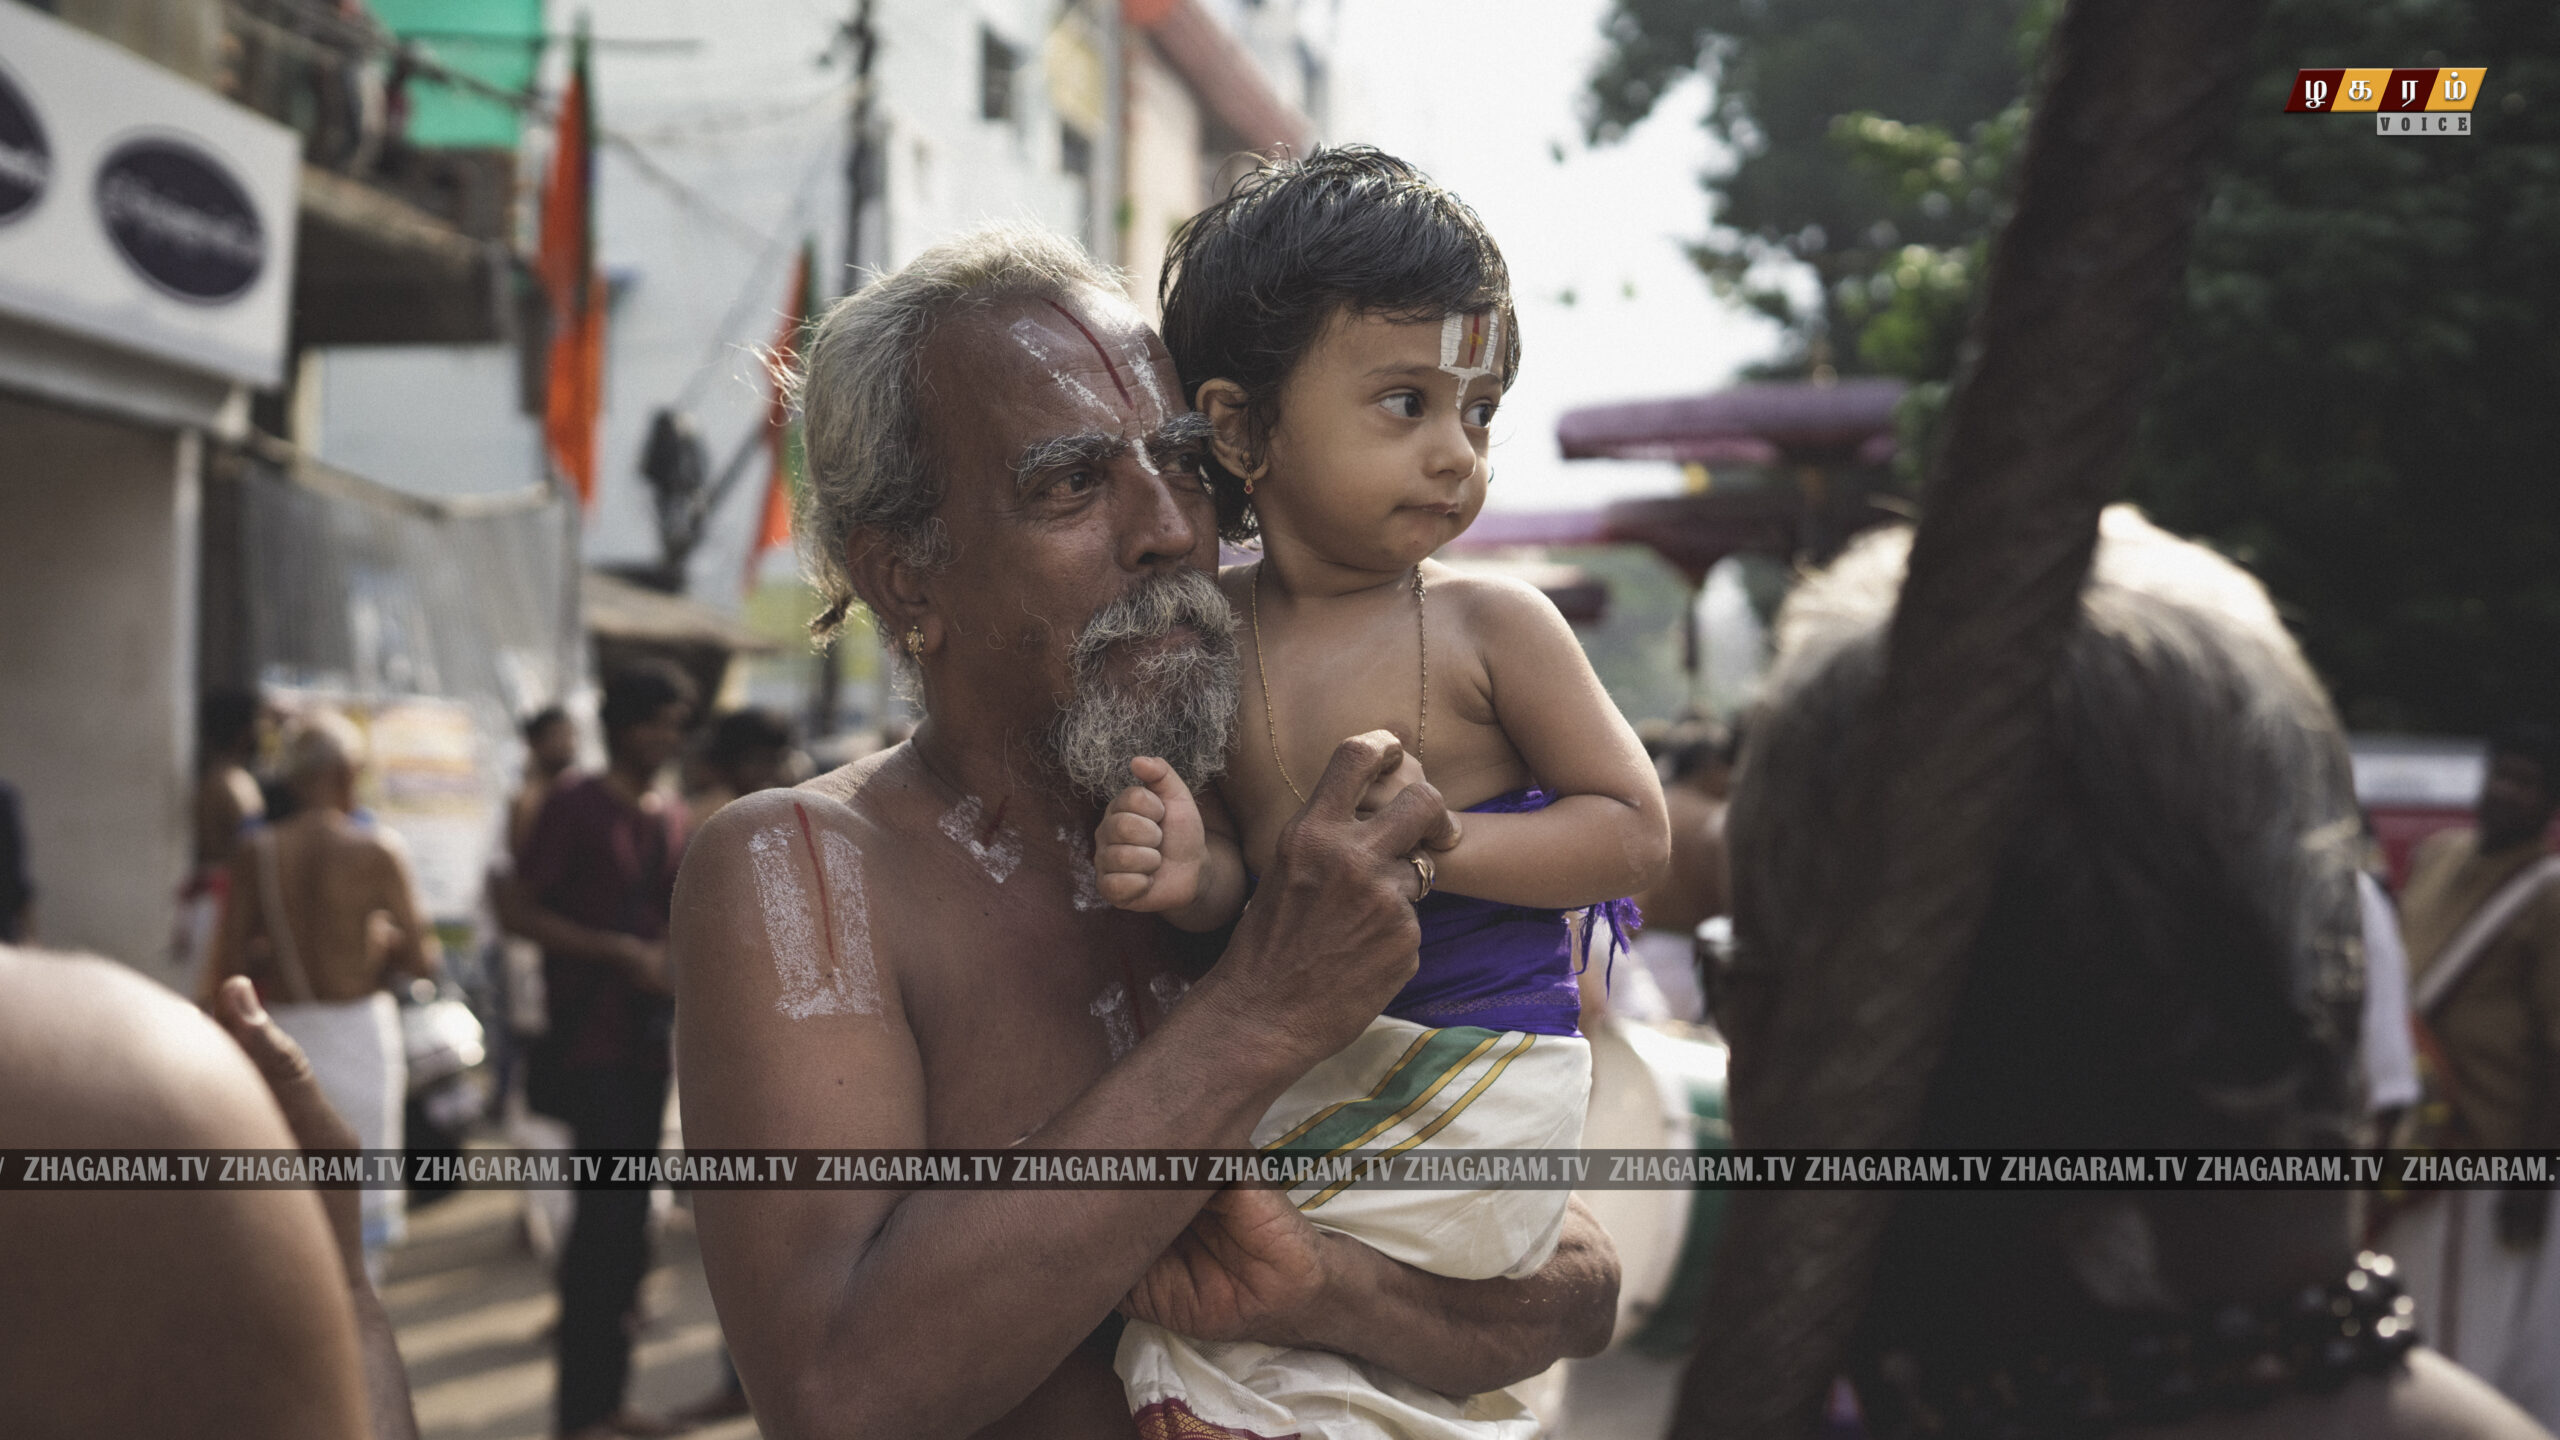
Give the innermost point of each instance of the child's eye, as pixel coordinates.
(1480, 414)
(1405, 404)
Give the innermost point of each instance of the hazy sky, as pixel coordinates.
(1478, 94)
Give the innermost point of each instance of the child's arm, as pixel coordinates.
(1607, 835)
(1163, 851)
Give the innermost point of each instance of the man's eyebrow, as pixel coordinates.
(1089, 447)
(1178, 431)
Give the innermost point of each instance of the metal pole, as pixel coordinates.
(862, 187)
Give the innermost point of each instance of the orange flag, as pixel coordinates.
(782, 437)
(574, 390)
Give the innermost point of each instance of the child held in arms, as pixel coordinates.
(1347, 328)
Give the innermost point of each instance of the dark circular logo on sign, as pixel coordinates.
(26, 161)
(179, 219)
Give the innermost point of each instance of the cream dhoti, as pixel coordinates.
(1398, 1088)
(357, 1057)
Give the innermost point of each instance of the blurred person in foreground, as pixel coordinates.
(176, 1313)
(1697, 764)
(2170, 960)
(2481, 915)
(592, 888)
(911, 951)
(322, 913)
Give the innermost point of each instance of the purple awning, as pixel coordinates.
(1757, 424)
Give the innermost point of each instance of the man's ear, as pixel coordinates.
(1231, 430)
(891, 588)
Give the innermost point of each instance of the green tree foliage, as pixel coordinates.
(2361, 396)
(1783, 71)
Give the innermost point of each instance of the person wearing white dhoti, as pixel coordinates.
(322, 911)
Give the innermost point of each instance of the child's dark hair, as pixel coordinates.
(1251, 282)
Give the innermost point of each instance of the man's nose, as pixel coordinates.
(1162, 516)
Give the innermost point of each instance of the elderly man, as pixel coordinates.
(911, 952)
(2170, 961)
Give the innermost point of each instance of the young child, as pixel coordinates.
(1347, 327)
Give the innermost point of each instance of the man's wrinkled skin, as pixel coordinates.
(960, 1312)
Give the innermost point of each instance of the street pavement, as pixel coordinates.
(474, 1308)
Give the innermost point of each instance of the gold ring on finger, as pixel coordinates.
(1425, 871)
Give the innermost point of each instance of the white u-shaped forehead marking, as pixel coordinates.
(1027, 335)
(1468, 347)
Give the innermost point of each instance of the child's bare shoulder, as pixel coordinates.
(1488, 605)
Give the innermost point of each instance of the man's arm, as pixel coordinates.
(936, 1312)
(1250, 1267)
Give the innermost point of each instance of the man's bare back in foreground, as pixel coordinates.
(911, 951)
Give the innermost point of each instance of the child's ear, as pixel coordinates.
(1231, 431)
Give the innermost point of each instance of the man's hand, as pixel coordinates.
(1331, 936)
(316, 1125)
(1249, 1268)
(1383, 791)
(1148, 850)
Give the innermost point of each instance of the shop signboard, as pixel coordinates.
(140, 209)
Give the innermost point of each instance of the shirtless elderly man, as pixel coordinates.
(911, 951)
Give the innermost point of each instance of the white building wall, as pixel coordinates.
(98, 535)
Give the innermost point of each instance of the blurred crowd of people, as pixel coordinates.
(2171, 962)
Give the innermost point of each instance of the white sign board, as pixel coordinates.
(139, 209)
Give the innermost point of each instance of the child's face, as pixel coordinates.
(1379, 455)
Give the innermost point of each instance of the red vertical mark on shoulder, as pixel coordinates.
(1108, 367)
(818, 866)
(995, 822)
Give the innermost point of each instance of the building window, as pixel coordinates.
(1075, 152)
(997, 64)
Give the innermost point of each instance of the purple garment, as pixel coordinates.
(1501, 967)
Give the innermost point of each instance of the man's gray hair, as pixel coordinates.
(862, 395)
(2173, 955)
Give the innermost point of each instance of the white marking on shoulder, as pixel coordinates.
(1000, 854)
(824, 971)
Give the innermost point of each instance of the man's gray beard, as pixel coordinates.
(1178, 705)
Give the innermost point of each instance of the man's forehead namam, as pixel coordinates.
(1096, 357)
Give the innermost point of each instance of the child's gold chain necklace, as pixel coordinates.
(1271, 728)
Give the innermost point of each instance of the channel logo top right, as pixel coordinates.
(2434, 101)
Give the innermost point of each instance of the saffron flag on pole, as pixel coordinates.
(573, 391)
(782, 433)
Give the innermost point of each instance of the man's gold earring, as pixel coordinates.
(915, 643)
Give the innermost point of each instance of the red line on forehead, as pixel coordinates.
(1107, 367)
